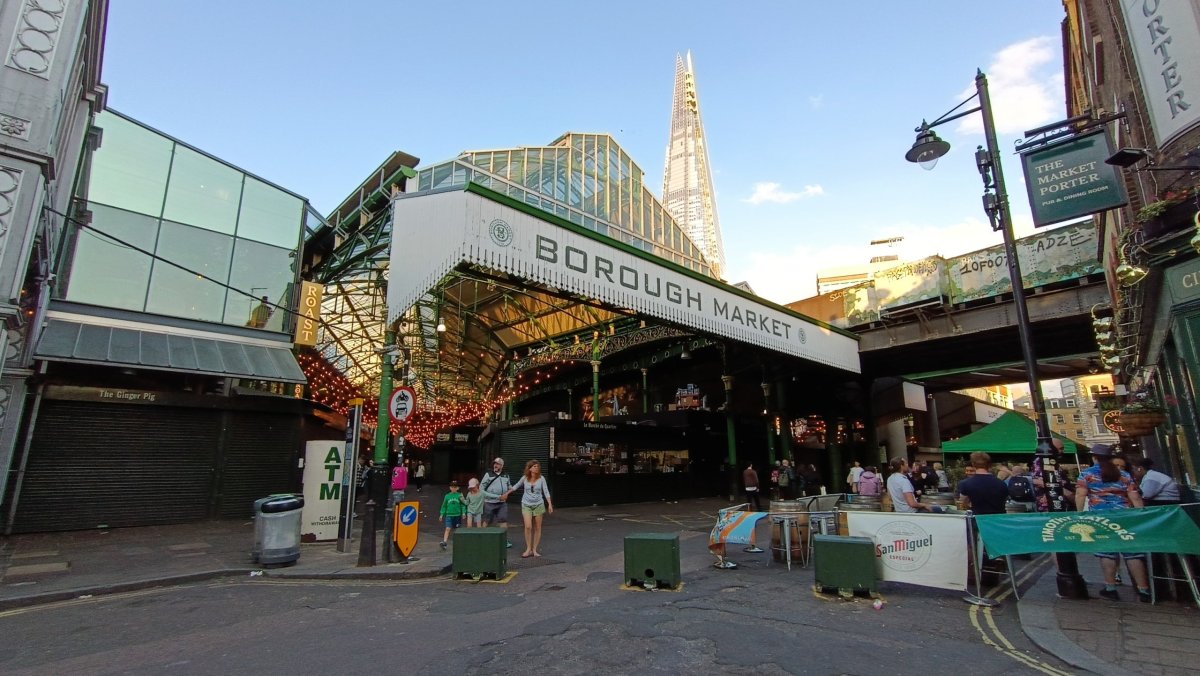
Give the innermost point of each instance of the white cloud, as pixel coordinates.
(771, 192)
(1025, 82)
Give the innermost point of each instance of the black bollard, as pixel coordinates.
(366, 546)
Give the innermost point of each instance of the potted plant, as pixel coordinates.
(1140, 417)
(1172, 212)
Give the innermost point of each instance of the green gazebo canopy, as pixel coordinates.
(1010, 433)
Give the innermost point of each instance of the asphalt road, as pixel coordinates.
(566, 613)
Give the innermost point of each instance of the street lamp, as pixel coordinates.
(926, 151)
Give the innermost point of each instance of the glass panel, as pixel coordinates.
(441, 175)
(516, 170)
(560, 175)
(547, 185)
(500, 164)
(574, 197)
(183, 294)
(425, 179)
(461, 174)
(203, 192)
(110, 274)
(533, 169)
(269, 215)
(265, 272)
(130, 169)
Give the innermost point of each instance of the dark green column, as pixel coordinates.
(730, 437)
(383, 429)
(772, 435)
(595, 389)
(786, 434)
(645, 393)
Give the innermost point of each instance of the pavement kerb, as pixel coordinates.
(1038, 621)
(202, 576)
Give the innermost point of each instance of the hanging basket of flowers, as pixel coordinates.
(1140, 418)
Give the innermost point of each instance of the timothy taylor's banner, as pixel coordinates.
(322, 490)
(1170, 529)
(925, 549)
(434, 233)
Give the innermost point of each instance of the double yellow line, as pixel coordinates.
(991, 634)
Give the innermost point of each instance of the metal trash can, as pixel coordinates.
(277, 529)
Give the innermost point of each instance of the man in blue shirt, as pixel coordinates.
(981, 491)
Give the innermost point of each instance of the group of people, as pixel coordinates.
(486, 503)
(1106, 485)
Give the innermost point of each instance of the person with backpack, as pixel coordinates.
(869, 482)
(1020, 488)
(787, 480)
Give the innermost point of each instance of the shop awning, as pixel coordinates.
(1010, 433)
(71, 341)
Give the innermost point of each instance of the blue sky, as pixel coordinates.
(809, 107)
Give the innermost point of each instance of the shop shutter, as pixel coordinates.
(259, 459)
(519, 446)
(96, 465)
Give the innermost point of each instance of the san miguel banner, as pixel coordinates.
(1171, 529)
(435, 232)
(923, 549)
(1070, 179)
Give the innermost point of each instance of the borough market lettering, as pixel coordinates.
(580, 261)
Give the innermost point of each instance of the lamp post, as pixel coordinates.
(926, 151)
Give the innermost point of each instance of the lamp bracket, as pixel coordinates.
(947, 117)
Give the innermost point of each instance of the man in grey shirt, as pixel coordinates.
(494, 485)
(1156, 488)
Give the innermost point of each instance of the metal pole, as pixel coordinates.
(645, 392)
(730, 437)
(1070, 582)
(383, 430)
(595, 390)
(349, 462)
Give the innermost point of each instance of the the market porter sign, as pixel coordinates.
(1070, 179)
(1165, 37)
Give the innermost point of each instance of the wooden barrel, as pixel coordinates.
(786, 506)
(943, 499)
(798, 535)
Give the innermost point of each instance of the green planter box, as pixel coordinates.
(480, 551)
(844, 563)
(652, 559)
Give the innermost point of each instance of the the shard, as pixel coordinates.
(687, 179)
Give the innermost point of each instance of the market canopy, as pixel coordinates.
(1010, 433)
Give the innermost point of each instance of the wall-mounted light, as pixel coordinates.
(441, 327)
(685, 354)
(1093, 366)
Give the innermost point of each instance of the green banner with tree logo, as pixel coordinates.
(1172, 529)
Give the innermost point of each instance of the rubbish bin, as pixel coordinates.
(277, 529)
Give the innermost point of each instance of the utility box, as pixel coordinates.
(480, 551)
(844, 563)
(652, 560)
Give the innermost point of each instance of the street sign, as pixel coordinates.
(404, 532)
(403, 403)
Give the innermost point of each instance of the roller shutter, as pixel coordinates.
(96, 465)
(260, 451)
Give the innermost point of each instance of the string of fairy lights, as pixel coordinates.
(330, 387)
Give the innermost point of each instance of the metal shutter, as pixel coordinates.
(258, 460)
(101, 465)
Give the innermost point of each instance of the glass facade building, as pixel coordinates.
(223, 241)
(584, 178)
